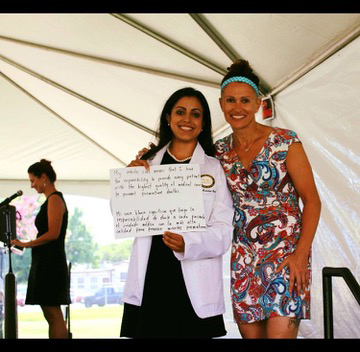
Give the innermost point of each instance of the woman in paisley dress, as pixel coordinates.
(267, 172)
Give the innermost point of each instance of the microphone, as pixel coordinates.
(8, 200)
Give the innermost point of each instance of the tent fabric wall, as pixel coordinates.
(323, 108)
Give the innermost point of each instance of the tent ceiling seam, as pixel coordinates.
(215, 36)
(316, 60)
(138, 68)
(76, 95)
(221, 43)
(59, 117)
(169, 43)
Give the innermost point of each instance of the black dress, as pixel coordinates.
(166, 310)
(48, 283)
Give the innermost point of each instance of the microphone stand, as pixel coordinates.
(10, 287)
(67, 319)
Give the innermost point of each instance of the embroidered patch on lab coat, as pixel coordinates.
(207, 181)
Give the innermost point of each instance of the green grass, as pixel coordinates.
(94, 322)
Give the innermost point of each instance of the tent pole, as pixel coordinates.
(221, 43)
(125, 65)
(333, 47)
(77, 95)
(170, 43)
(215, 36)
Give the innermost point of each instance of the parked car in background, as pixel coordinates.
(105, 295)
(78, 296)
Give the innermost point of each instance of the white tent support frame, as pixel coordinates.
(169, 42)
(211, 32)
(77, 95)
(223, 45)
(59, 117)
(323, 54)
(116, 63)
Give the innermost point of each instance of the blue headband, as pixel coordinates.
(243, 80)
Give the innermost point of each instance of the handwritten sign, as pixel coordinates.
(166, 198)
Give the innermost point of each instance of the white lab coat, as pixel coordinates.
(201, 261)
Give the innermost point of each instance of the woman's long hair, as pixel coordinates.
(164, 133)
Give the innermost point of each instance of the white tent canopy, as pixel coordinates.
(86, 90)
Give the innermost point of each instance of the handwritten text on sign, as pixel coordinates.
(166, 198)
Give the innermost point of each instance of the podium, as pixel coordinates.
(7, 233)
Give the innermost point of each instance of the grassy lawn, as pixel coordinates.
(94, 322)
(86, 323)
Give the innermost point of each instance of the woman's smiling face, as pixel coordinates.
(186, 119)
(239, 104)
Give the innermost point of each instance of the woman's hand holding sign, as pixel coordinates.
(174, 241)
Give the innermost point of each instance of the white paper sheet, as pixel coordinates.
(168, 197)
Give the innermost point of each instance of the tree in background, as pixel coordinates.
(116, 252)
(79, 246)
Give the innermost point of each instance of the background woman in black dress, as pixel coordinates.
(48, 283)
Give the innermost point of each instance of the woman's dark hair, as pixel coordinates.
(43, 167)
(164, 133)
(241, 68)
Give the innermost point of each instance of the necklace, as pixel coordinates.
(178, 160)
(250, 145)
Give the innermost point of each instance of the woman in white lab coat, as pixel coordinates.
(174, 287)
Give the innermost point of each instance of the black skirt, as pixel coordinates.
(166, 310)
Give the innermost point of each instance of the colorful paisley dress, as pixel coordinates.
(267, 227)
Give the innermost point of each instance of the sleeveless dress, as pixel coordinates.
(267, 227)
(166, 310)
(48, 283)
